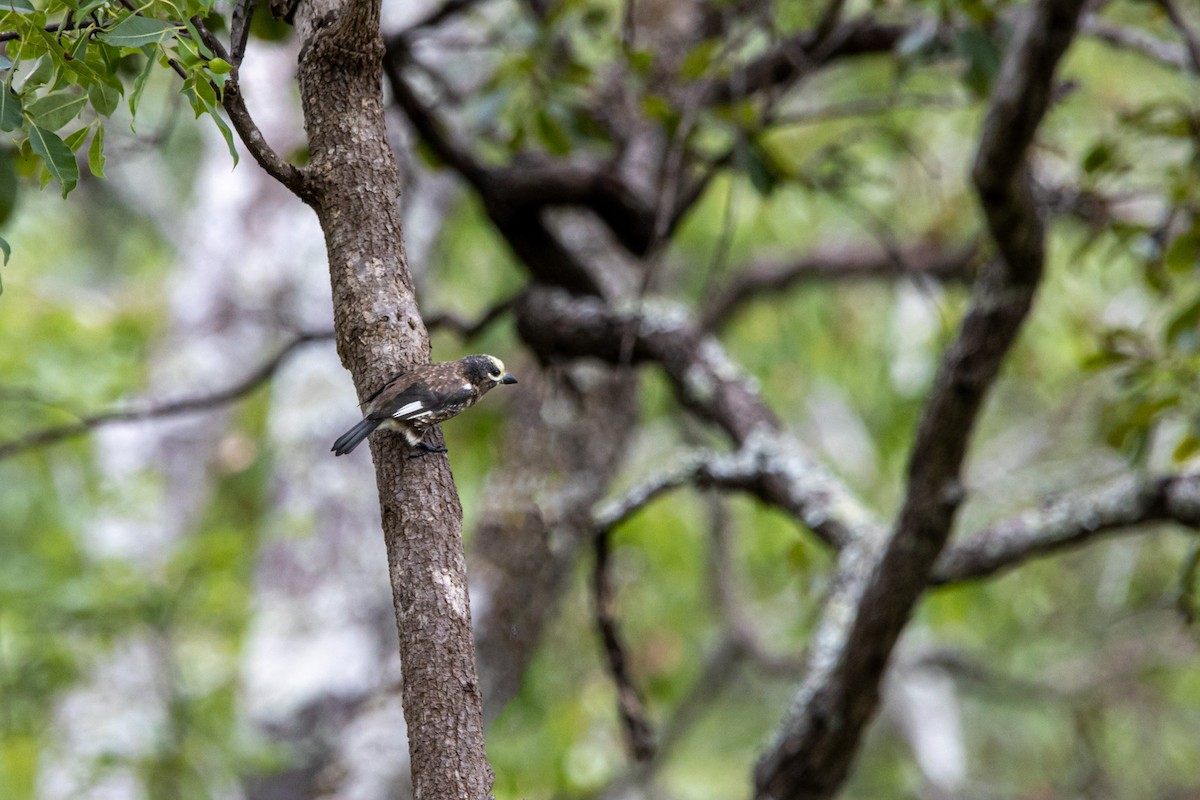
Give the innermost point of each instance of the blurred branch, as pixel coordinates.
(563, 446)
(1114, 508)
(878, 583)
(801, 54)
(919, 261)
(203, 402)
(436, 16)
(1190, 41)
(632, 710)
(1166, 53)
(466, 329)
(556, 325)
(764, 467)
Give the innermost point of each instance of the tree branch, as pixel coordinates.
(803, 53)
(920, 261)
(292, 177)
(1190, 40)
(878, 583)
(239, 30)
(1165, 53)
(1114, 508)
(556, 325)
(201, 402)
(630, 706)
(466, 329)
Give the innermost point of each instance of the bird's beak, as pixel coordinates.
(508, 378)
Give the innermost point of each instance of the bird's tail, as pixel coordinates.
(351, 438)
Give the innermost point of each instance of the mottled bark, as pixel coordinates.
(352, 182)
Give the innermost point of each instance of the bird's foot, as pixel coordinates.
(420, 450)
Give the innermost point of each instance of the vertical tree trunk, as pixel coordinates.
(353, 184)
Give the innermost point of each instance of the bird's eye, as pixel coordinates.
(495, 376)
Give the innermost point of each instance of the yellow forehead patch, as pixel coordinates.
(499, 365)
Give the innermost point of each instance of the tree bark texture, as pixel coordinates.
(352, 181)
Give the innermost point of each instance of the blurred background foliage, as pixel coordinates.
(1077, 676)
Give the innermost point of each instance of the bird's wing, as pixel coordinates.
(421, 400)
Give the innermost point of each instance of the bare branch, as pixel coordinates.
(803, 53)
(247, 129)
(202, 402)
(1190, 40)
(878, 583)
(768, 467)
(239, 30)
(562, 448)
(465, 329)
(1115, 508)
(436, 16)
(708, 383)
(920, 261)
(1166, 53)
(638, 733)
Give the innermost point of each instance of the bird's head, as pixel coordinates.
(487, 371)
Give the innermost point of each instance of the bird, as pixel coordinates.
(414, 401)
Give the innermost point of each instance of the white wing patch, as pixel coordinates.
(408, 410)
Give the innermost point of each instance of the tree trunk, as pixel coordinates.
(352, 182)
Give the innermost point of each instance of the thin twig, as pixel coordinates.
(919, 261)
(467, 330)
(1166, 53)
(201, 402)
(239, 30)
(1189, 37)
(289, 175)
(632, 710)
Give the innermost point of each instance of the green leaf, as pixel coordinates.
(1187, 447)
(9, 183)
(1100, 156)
(551, 133)
(104, 98)
(220, 66)
(1184, 253)
(699, 58)
(225, 132)
(16, 5)
(11, 113)
(1104, 358)
(88, 7)
(135, 31)
(1184, 323)
(57, 157)
(983, 60)
(7, 250)
(41, 74)
(75, 139)
(206, 94)
(54, 110)
(139, 83)
(751, 158)
(96, 158)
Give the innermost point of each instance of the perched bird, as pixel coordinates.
(414, 401)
